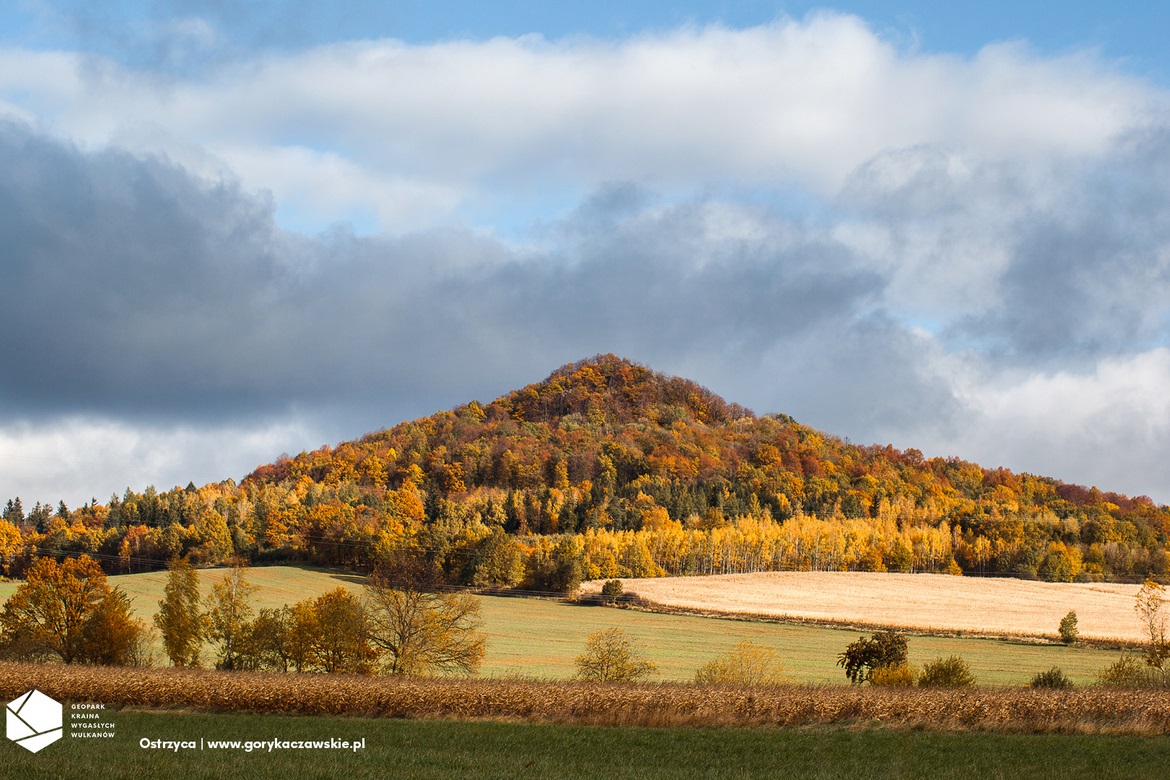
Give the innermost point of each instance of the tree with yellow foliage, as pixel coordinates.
(419, 631)
(1150, 600)
(179, 618)
(748, 665)
(610, 657)
(229, 614)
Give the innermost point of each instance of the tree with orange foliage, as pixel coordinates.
(69, 611)
(342, 641)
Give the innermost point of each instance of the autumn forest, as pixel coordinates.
(609, 469)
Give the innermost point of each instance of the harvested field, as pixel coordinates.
(1088, 710)
(929, 602)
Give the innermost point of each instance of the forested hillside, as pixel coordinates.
(608, 469)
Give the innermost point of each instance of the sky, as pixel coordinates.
(234, 230)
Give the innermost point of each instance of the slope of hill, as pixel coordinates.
(608, 469)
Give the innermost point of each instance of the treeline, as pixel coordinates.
(67, 612)
(607, 469)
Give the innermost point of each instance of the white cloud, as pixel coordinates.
(799, 103)
(321, 188)
(77, 458)
(1109, 426)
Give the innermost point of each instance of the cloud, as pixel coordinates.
(77, 459)
(794, 103)
(970, 256)
(1091, 272)
(1108, 426)
(153, 297)
(123, 266)
(146, 290)
(1036, 262)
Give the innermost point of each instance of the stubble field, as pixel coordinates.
(929, 602)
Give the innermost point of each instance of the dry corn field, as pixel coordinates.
(1086, 710)
(931, 602)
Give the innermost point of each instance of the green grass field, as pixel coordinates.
(441, 750)
(539, 638)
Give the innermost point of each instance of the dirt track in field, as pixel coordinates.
(935, 602)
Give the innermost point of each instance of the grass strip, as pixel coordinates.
(442, 750)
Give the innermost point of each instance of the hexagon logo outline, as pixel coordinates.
(34, 720)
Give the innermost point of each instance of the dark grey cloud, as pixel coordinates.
(123, 278)
(1073, 255)
(1091, 272)
(137, 291)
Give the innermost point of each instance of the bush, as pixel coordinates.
(1068, 628)
(611, 591)
(610, 657)
(893, 676)
(884, 648)
(1125, 672)
(1053, 678)
(747, 665)
(950, 672)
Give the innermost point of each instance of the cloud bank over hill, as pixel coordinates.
(206, 266)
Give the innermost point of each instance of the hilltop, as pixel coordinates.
(607, 468)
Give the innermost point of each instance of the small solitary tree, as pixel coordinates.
(1068, 628)
(180, 620)
(611, 591)
(883, 648)
(610, 657)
